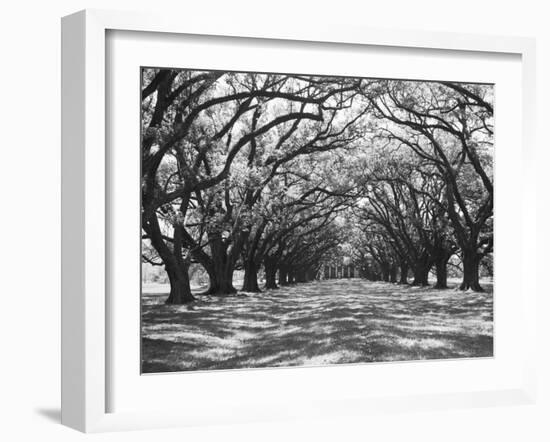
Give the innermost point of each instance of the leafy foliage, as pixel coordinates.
(244, 170)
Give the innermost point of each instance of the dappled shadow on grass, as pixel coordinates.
(327, 322)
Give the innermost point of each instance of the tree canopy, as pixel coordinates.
(286, 173)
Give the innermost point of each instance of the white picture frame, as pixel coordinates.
(85, 310)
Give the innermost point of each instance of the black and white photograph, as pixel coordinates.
(275, 221)
(295, 219)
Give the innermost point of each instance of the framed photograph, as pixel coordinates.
(270, 222)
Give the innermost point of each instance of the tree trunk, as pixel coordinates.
(441, 273)
(393, 274)
(385, 273)
(221, 280)
(421, 272)
(301, 276)
(270, 273)
(283, 276)
(176, 268)
(221, 266)
(369, 274)
(403, 273)
(250, 282)
(180, 290)
(470, 264)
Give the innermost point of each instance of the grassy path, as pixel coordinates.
(326, 322)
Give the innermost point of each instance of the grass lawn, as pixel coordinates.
(323, 322)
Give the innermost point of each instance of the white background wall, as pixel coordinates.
(30, 219)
